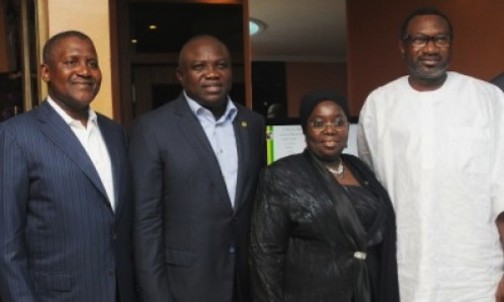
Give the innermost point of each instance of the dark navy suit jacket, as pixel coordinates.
(191, 245)
(60, 240)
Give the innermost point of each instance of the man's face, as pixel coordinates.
(427, 49)
(205, 72)
(73, 74)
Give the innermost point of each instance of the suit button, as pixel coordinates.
(232, 249)
(114, 236)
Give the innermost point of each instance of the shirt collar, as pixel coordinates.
(92, 118)
(202, 112)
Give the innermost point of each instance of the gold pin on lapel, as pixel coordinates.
(244, 124)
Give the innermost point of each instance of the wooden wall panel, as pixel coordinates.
(304, 77)
(373, 36)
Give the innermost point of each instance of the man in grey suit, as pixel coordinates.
(195, 163)
(65, 210)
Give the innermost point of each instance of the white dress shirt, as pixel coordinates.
(91, 139)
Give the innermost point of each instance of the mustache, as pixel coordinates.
(430, 57)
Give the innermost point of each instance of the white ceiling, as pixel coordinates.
(300, 30)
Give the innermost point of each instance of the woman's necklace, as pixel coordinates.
(338, 172)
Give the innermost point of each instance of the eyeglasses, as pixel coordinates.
(338, 123)
(422, 40)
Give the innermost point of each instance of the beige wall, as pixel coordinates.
(92, 18)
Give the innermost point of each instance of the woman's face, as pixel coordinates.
(327, 131)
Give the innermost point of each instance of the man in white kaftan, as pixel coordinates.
(437, 145)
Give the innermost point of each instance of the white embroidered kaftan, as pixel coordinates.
(440, 154)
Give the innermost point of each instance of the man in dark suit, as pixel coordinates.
(195, 163)
(65, 210)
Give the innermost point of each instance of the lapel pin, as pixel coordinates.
(244, 124)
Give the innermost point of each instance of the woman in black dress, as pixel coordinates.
(323, 227)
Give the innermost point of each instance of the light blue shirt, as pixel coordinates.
(221, 135)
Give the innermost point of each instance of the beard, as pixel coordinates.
(423, 72)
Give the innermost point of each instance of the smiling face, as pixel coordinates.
(426, 64)
(73, 75)
(327, 131)
(205, 71)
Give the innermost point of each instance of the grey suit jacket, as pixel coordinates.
(60, 240)
(190, 243)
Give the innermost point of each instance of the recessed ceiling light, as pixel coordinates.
(256, 26)
(134, 41)
(153, 27)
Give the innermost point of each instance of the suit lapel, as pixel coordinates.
(55, 128)
(241, 130)
(113, 144)
(196, 136)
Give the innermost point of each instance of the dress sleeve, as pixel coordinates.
(269, 239)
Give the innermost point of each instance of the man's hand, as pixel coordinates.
(499, 294)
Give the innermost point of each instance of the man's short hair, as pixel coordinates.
(49, 45)
(423, 11)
